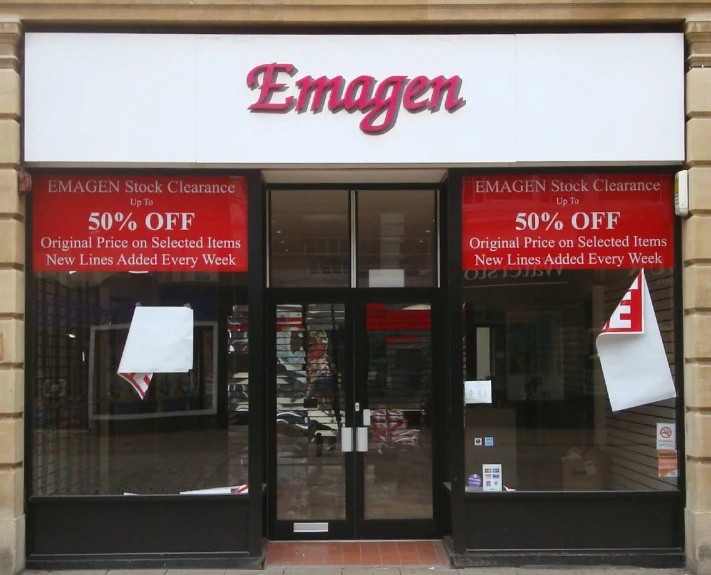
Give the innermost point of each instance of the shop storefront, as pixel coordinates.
(352, 287)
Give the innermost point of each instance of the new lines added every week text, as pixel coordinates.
(162, 260)
(558, 256)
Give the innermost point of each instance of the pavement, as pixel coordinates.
(376, 571)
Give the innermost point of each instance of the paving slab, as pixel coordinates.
(424, 570)
(312, 570)
(628, 571)
(373, 570)
(621, 571)
(487, 571)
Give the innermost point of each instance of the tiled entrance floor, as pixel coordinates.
(394, 553)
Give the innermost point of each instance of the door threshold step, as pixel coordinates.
(371, 554)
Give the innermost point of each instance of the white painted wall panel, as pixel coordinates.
(600, 97)
(110, 99)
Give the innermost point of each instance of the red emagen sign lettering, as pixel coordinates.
(379, 101)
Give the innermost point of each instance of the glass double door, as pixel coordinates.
(353, 404)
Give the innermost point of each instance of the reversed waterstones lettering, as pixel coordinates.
(378, 101)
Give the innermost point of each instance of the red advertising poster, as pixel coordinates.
(139, 223)
(570, 221)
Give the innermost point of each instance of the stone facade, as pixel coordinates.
(392, 12)
(697, 288)
(696, 229)
(12, 307)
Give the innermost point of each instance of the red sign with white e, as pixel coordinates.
(568, 221)
(628, 317)
(139, 223)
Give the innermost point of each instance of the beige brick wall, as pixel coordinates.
(12, 308)
(697, 299)
(405, 12)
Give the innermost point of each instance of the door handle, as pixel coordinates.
(362, 439)
(346, 439)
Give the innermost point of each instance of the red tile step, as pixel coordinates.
(356, 553)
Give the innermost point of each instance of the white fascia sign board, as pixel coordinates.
(370, 101)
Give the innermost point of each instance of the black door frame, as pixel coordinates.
(355, 300)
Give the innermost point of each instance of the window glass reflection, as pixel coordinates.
(396, 238)
(309, 365)
(550, 425)
(309, 239)
(398, 463)
(92, 433)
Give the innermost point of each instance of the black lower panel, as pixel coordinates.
(144, 561)
(558, 559)
(445, 523)
(574, 521)
(135, 524)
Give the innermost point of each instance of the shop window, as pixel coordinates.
(397, 233)
(312, 241)
(309, 239)
(549, 425)
(92, 434)
(551, 261)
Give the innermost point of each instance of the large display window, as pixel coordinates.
(93, 434)
(130, 247)
(550, 425)
(550, 262)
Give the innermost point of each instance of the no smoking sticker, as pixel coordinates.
(666, 436)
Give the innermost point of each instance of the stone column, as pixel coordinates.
(12, 307)
(697, 298)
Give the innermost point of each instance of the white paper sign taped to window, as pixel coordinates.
(632, 355)
(230, 490)
(477, 391)
(160, 340)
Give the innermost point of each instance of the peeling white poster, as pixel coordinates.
(631, 350)
(160, 340)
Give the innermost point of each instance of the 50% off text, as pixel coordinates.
(579, 220)
(153, 221)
